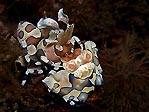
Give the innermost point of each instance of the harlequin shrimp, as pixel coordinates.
(73, 72)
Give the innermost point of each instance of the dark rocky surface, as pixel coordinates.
(119, 28)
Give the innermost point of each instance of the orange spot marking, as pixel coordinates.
(71, 66)
(29, 28)
(88, 56)
(84, 74)
(32, 40)
(51, 54)
(69, 57)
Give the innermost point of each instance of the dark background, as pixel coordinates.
(120, 28)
